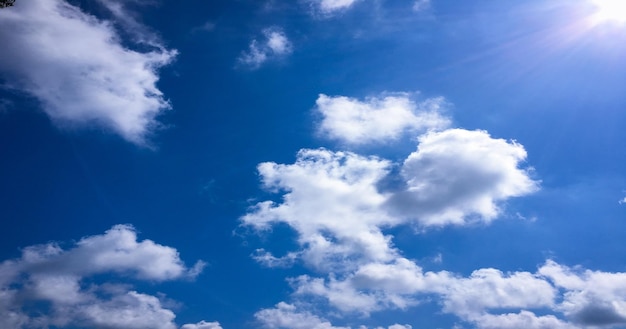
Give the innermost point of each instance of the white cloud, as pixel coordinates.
(456, 174)
(46, 273)
(523, 319)
(327, 7)
(286, 316)
(489, 288)
(622, 201)
(340, 203)
(78, 69)
(274, 44)
(332, 202)
(202, 325)
(378, 120)
(591, 298)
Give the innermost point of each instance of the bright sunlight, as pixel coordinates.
(610, 11)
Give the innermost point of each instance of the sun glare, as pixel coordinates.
(610, 11)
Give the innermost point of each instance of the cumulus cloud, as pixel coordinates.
(523, 319)
(48, 275)
(287, 316)
(79, 70)
(592, 298)
(332, 202)
(341, 203)
(378, 120)
(273, 45)
(456, 174)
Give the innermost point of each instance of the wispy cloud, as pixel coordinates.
(328, 7)
(273, 45)
(78, 68)
(421, 5)
(49, 274)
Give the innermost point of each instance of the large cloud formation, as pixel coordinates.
(341, 204)
(63, 280)
(77, 67)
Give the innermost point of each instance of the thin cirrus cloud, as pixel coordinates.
(378, 119)
(47, 274)
(76, 66)
(341, 203)
(272, 46)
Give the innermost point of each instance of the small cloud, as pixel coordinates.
(421, 5)
(622, 201)
(329, 7)
(273, 45)
(206, 27)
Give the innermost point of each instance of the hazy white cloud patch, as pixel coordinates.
(458, 175)
(79, 70)
(421, 5)
(202, 325)
(378, 120)
(287, 316)
(290, 316)
(49, 274)
(523, 319)
(328, 7)
(273, 45)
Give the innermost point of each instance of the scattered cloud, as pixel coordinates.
(622, 201)
(79, 70)
(273, 45)
(378, 120)
(48, 275)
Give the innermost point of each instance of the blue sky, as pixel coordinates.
(320, 164)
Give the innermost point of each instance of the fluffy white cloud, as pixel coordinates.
(591, 298)
(331, 200)
(489, 288)
(340, 203)
(523, 319)
(274, 44)
(287, 316)
(78, 69)
(377, 120)
(458, 175)
(53, 276)
(115, 251)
